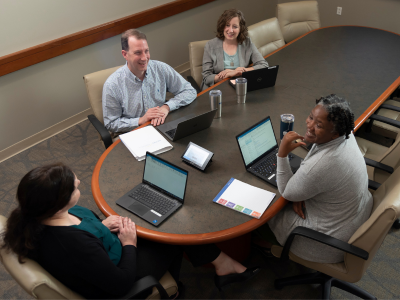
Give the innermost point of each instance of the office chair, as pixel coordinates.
(196, 51)
(389, 109)
(385, 155)
(297, 18)
(38, 283)
(266, 36)
(94, 87)
(359, 250)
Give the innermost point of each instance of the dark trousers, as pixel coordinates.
(155, 258)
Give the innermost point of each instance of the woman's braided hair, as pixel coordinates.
(339, 113)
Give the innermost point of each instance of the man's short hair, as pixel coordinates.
(131, 32)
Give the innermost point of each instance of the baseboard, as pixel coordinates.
(183, 67)
(44, 135)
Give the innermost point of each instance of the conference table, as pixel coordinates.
(359, 63)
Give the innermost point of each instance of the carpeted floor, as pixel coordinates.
(80, 148)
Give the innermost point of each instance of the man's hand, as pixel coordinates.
(164, 110)
(298, 208)
(151, 113)
(288, 145)
(112, 223)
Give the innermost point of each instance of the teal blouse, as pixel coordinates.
(228, 59)
(93, 225)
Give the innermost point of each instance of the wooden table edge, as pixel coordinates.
(227, 234)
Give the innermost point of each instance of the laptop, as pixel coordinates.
(259, 79)
(161, 192)
(258, 147)
(187, 125)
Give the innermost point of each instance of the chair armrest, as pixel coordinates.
(384, 120)
(104, 134)
(391, 107)
(321, 238)
(373, 185)
(378, 165)
(194, 84)
(144, 284)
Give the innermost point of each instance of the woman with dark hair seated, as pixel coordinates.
(231, 52)
(97, 259)
(329, 192)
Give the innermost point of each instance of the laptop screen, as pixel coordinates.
(257, 140)
(165, 176)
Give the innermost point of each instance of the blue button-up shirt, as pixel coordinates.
(126, 98)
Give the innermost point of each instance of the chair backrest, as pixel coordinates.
(370, 235)
(297, 18)
(94, 87)
(266, 36)
(35, 280)
(196, 51)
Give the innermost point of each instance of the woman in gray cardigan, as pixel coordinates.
(231, 52)
(329, 192)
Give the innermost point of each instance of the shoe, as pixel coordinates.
(221, 281)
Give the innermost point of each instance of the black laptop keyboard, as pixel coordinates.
(171, 133)
(153, 200)
(268, 165)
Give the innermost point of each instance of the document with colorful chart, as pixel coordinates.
(244, 198)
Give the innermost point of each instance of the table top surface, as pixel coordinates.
(355, 62)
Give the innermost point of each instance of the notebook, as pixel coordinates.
(259, 79)
(258, 147)
(244, 198)
(161, 192)
(145, 139)
(187, 125)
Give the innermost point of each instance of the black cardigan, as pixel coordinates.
(78, 259)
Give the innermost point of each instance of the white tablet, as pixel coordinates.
(197, 156)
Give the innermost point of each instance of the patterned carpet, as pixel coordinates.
(80, 148)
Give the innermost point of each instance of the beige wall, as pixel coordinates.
(39, 21)
(383, 14)
(40, 96)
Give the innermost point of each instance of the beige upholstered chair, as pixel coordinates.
(359, 250)
(297, 18)
(196, 51)
(38, 283)
(266, 36)
(389, 156)
(390, 109)
(94, 87)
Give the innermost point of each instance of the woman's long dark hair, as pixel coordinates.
(41, 193)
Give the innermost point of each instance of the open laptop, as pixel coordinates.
(187, 125)
(259, 147)
(259, 79)
(161, 192)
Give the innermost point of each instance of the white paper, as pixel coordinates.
(244, 198)
(145, 139)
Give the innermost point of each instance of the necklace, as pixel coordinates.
(231, 58)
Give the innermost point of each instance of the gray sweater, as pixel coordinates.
(213, 59)
(333, 182)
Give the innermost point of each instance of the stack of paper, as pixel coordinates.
(244, 198)
(145, 139)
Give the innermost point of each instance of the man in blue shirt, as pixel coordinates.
(135, 93)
